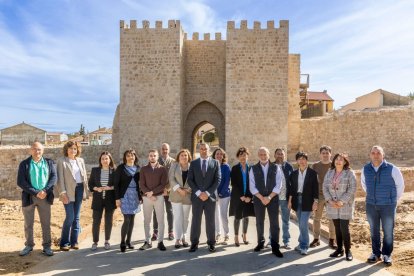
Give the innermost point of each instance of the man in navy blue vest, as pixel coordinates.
(265, 182)
(384, 185)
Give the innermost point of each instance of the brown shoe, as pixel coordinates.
(315, 243)
(64, 248)
(332, 244)
(75, 246)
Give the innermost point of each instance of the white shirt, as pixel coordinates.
(282, 195)
(265, 169)
(396, 175)
(76, 171)
(301, 180)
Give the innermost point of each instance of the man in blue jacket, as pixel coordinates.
(384, 185)
(36, 177)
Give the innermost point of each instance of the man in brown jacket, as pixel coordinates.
(152, 182)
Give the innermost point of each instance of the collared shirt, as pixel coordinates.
(76, 171)
(301, 180)
(396, 175)
(201, 166)
(265, 169)
(39, 174)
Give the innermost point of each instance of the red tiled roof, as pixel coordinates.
(319, 96)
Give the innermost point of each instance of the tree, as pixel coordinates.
(209, 137)
(82, 130)
(411, 95)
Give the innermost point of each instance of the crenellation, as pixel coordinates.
(195, 36)
(217, 36)
(122, 24)
(171, 24)
(158, 24)
(231, 25)
(206, 36)
(256, 25)
(284, 24)
(145, 24)
(133, 24)
(243, 25)
(270, 24)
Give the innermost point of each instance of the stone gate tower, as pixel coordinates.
(246, 86)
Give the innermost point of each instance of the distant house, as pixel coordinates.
(22, 134)
(56, 137)
(101, 136)
(320, 98)
(376, 99)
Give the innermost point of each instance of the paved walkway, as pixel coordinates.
(227, 260)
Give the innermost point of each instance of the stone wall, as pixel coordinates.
(151, 86)
(356, 132)
(256, 86)
(10, 159)
(294, 119)
(22, 134)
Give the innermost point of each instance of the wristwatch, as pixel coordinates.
(269, 197)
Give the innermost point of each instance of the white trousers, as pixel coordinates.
(158, 206)
(181, 214)
(222, 215)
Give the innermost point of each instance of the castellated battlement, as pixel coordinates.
(206, 37)
(283, 24)
(172, 24)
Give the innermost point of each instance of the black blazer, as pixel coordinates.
(238, 208)
(209, 182)
(24, 182)
(95, 181)
(122, 180)
(310, 189)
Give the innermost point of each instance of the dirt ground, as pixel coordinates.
(12, 234)
(403, 254)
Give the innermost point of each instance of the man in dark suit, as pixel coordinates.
(265, 184)
(303, 195)
(204, 177)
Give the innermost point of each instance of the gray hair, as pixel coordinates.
(264, 149)
(379, 148)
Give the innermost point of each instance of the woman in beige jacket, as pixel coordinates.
(180, 196)
(72, 186)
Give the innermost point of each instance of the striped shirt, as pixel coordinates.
(104, 180)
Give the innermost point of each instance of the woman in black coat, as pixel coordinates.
(102, 185)
(241, 204)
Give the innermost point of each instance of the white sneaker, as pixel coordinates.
(287, 246)
(303, 252)
(218, 238)
(387, 260)
(94, 246)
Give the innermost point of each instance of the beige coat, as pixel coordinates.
(345, 193)
(175, 178)
(66, 180)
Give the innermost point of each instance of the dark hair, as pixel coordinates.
(130, 151)
(153, 150)
(224, 159)
(301, 154)
(70, 144)
(181, 151)
(242, 150)
(111, 164)
(279, 149)
(325, 147)
(346, 159)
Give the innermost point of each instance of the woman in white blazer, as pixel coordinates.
(72, 186)
(180, 196)
(339, 187)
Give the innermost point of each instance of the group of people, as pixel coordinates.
(209, 185)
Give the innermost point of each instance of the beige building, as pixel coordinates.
(376, 99)
(22, 134)
(101, 136)
(246, 85)
(56, 137)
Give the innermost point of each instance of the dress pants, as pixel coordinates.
(209, 209)
(148, 206)
(273, 213)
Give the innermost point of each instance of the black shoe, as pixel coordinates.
(74, 246)
(373, 259)
(348, 256)
(315, 243)
(185, 244)
(145, 246)
(193, 247)
(277, 252)
(211, 248)
(259, 247)
(161, 246)
(337, 253)
(123, 247)
(332, 244)
(130, 246)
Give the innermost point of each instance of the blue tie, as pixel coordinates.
(204, 168)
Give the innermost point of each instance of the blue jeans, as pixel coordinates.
(285, 211)
(303, 220)
(381, 215)
(71, 225)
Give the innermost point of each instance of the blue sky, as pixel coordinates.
(59, 59)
